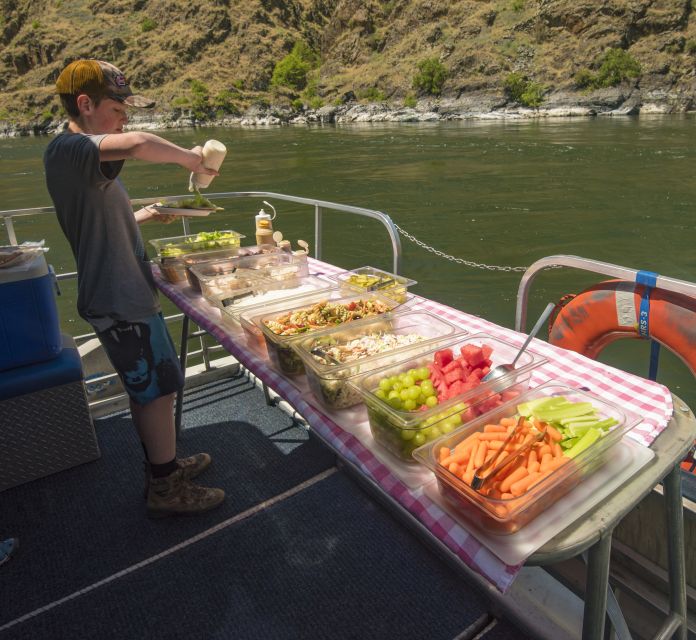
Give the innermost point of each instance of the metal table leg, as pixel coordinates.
(675, 556)
(183, 352)
(598, 557)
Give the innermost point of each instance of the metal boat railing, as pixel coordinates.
(595, 266)
(321, 208)
(675, 620)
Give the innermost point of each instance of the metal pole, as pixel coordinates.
(596, 589)
(183, 352)
(675, 547)
(11, 235)
(317, 232)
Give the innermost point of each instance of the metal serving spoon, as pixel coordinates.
(502, 369)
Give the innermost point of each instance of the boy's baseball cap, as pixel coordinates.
(101, 79)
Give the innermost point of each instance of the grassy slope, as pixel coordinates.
(233, 45)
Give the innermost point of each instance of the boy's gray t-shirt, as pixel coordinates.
(114, 278)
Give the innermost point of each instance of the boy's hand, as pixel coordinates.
(149, 213)
(166, 218)
(199, 168)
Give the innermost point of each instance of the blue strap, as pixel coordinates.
(654, 360)
(648, 279)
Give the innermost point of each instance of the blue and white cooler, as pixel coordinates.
(29, 329)
(45, 423)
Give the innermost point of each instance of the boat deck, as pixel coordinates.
(298, 550)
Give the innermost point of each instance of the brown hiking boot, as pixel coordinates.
(193, 466)
(174, 495)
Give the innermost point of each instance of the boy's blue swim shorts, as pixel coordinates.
(144, 357)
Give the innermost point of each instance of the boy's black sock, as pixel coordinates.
(163, 470)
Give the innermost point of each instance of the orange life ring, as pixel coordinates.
(610, 310)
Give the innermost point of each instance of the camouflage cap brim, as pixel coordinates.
(140, 102)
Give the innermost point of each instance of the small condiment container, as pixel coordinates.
(264, 232)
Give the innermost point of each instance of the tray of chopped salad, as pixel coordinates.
(279, 329)
(333, 356)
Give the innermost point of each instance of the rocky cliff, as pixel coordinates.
(216, 60)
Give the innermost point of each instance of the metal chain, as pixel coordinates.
(446, 256)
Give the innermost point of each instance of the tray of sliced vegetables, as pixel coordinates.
(560, 435)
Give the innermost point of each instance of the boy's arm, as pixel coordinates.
(140, 145)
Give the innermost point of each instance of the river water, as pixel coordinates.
(499, 193)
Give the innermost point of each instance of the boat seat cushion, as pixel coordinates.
(65, 368)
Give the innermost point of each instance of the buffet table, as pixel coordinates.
(497, 558)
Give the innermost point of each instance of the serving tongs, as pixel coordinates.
(479, 480)
(383, 284)
(322, 353)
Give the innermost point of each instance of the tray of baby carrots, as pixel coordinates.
(504, 468)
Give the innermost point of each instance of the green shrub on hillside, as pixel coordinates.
(200, 104)
(224, 104)
(517, 5)
(584, 78)
(197, 100)
(615, 67)
(515, 84)
(316, 103)
(430, 77)
(372, 94)
(524, 91)
(533, 95)
(309, 97)
(148, 24)
(292, 70)
(618, 65)
(410, 102)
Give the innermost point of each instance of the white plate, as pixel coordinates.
(174, 211)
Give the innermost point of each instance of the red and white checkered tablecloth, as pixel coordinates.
(648, 399)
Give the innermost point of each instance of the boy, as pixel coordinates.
(116, 291)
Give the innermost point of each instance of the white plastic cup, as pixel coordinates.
(214, 153)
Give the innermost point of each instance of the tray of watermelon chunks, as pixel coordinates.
(417, 400)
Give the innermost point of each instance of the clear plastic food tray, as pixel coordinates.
(361, 346)
(372, 279)
(226, 288)
(172, 269)
(216, 267)
(401, 430)
(179, 246)
(342, 310)
(203, 257)
(505, 516)
(279, 265)
(287, 295)
(248, 317)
